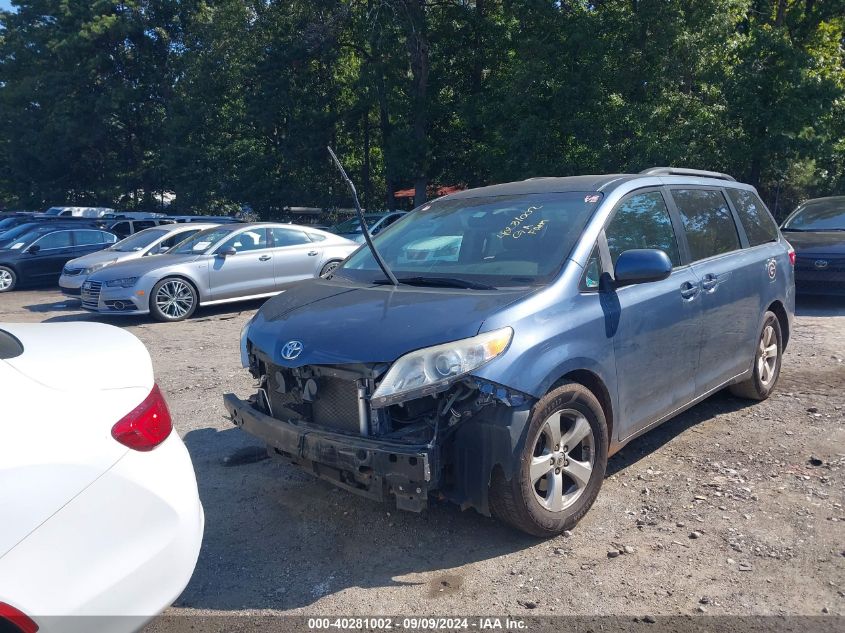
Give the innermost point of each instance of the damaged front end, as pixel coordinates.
(342, 425)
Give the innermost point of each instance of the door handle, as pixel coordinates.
(709, 282)
(264, 258)
(312, 253)
(689, 291)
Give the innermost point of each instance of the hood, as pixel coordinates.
(100, 257)
(339, 323)
(140, 266)
(816, 242)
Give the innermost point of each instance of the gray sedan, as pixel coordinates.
(231, 262)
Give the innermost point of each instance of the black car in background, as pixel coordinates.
(816, 230)
(36, 252)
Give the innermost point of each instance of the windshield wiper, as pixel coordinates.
(444, 282)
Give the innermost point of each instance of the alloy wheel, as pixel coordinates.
(767, 355)
(174, 299)
(563, 459)
(6, 280)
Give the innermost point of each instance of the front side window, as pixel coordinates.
(59, 239)
(758, 224)
(708, 222)
(122, 228)
(249, 240)
(140, 225)
(818, 215)
(508, 240)
(642, 221)
(288, 237)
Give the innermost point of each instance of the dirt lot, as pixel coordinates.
(731, 508)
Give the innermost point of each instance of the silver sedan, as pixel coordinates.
(232, 262)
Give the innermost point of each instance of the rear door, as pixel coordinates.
(730, 294)
(247, 272)
(656, 333)
(90, 242)
(295, 256)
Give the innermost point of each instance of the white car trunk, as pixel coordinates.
(61, 398)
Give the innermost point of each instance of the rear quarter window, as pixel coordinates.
(755, 218)
(708, 223)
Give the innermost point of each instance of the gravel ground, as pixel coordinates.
(730, 508)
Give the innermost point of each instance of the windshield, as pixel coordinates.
(514, 240)
(353, 226)
(200, 242)
(16, 239)
(138, 241)
(8, 223)
(53, 211)
(824, 215)
(19, 235)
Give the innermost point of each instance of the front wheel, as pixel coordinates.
(329, 268)
(173, 299)
(8, 279)
(767, 358)
(561, 467)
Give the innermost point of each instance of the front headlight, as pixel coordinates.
(126, 282)
(94, 268)
(432, 369)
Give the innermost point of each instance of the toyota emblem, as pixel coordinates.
(291, 350)
(821, 264)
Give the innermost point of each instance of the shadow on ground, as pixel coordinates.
(75, 313)
(276, 538)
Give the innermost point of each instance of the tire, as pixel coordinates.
(525, 501)
(329, 268)
(8, 279)
(767, 360)
(173, 299)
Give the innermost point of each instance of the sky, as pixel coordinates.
(5, 4)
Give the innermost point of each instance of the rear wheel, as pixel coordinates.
(8, 279)
(561, 468)
(329, 268)
(767, 358)
(173, 299)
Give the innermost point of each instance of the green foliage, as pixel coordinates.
(231, 102)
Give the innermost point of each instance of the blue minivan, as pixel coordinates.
(566, 317)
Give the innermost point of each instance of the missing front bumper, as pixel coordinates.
(367, 467)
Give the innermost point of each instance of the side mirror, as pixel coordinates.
(226, 252)
(641, 265)
(32, 250)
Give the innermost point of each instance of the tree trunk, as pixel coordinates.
(418, 50)
(365, 171)
(384, 124)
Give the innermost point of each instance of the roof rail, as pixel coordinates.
(683, 171)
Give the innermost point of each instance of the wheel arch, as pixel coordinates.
(779, 311)
(597, 387)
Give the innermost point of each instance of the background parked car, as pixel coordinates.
(214, 219)
(39, 253)
(101, 515)
(376, 222)
(816, 229)
(230, 262)
(153, 241)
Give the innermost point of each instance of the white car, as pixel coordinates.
(100, 511)
(152, 241)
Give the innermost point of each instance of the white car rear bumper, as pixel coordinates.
(122, 550)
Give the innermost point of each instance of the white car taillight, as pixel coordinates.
(19, 620)
(147, 425)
